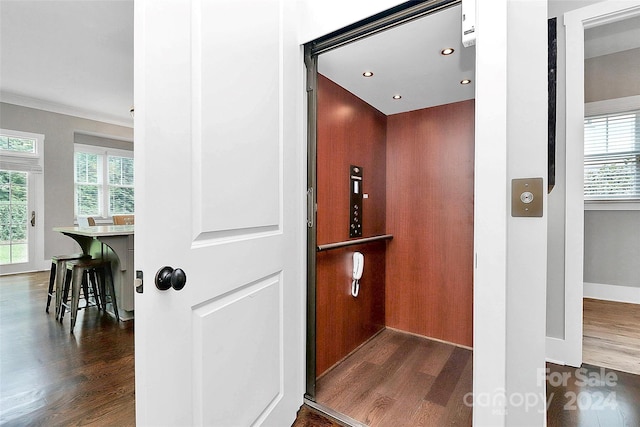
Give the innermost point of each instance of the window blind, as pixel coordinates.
(612, 156)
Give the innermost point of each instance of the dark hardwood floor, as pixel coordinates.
(51, 377)
(592, 396)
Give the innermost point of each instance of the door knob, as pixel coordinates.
(167, 278)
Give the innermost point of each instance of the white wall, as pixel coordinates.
(611, 254)
(612, 76)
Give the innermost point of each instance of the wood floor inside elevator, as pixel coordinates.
(399, 379)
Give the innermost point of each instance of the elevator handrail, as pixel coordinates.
(329, 246)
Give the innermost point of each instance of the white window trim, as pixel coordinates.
(17, 160)
(612, 106)
(27, 135)
(621, 205)
(105, 152)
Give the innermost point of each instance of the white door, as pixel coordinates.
(21, 202)
(219, 194)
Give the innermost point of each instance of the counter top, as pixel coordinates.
(98, 231)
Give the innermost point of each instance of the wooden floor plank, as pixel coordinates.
(372, 411)
(436, 357)
(448, 377)
(407, 400)
(362, 395)
(427, 414)
(611, 335)
(457, 411)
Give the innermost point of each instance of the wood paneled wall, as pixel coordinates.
(429, 273)
(350, 132)
(345, 322)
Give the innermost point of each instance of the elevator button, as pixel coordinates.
(526, 197)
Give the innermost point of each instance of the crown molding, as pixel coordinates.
(39, 104)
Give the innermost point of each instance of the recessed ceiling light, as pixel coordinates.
(447, 51)
(465, 82)
(397, 96)
(367, 74)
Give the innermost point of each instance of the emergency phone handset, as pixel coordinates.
(358, 267)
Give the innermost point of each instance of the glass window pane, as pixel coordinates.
(127, 171)
(19, 252)
(120, 170)
(22, 145)
(81, 166)
(5, 223)
(115, 170)
(5, 186)
(121, 200)
(17, 144)
(19, 222)
(88, 199)
(87, 168)
(19, 186)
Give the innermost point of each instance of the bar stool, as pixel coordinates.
(78, 275)
(57, 276)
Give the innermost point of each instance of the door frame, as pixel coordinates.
(569, 350)
(361, 29)
(503, 246)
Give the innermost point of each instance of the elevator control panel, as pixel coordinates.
(355, 201)
(526, 197)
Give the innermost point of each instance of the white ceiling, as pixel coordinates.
(407, 61)
(74, 57)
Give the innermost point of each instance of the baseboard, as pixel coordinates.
(430, 338)
(616, 293)
(36, 269)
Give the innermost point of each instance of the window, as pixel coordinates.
(17, 144)
(104, 181)
(612, 156)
